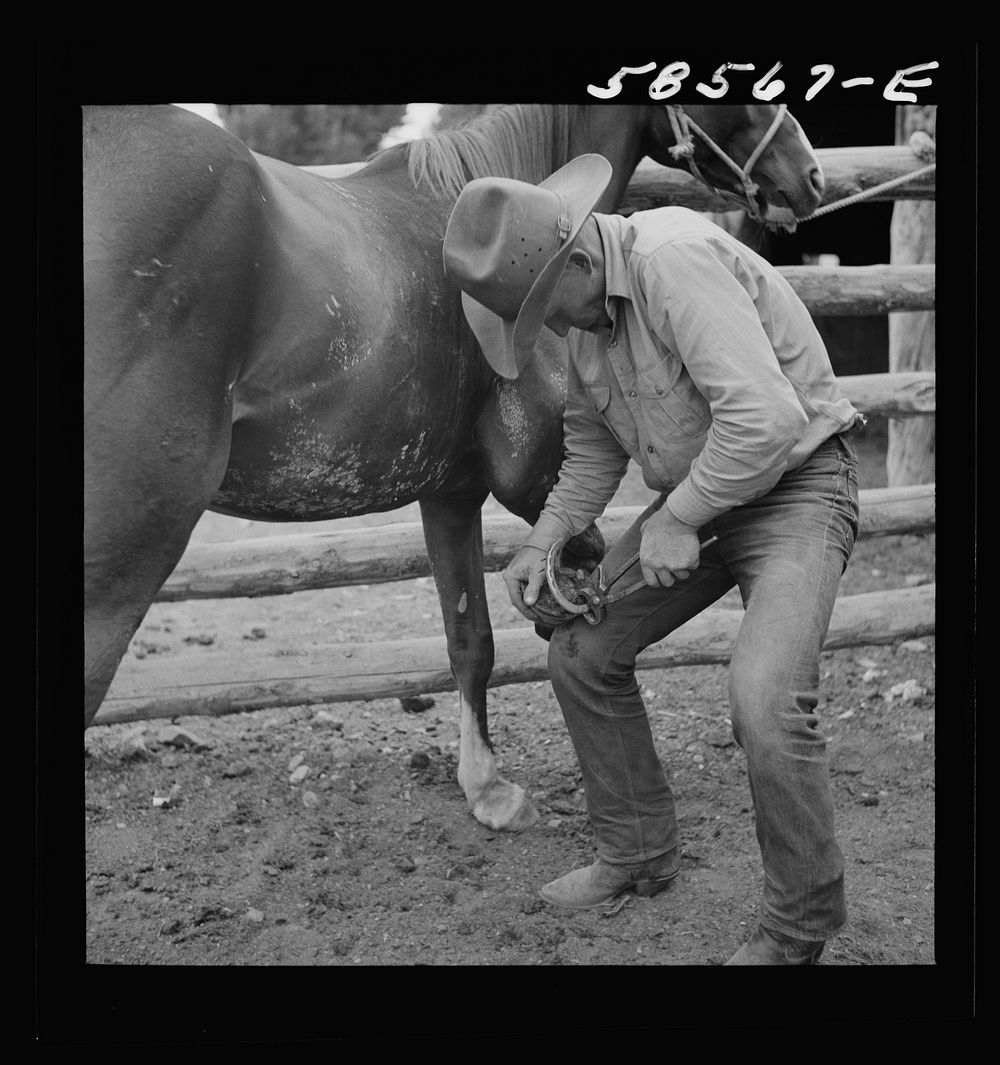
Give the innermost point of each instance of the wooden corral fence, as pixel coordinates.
(216, 684)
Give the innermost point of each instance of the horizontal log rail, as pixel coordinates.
(221, 683)
(846, 170)
(281, 565)
(895, 395)
(863, 290)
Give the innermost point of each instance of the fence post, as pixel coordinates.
(910, 452)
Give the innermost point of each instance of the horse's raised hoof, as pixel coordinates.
(585, 550)
(505, 807)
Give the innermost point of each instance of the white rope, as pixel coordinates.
(682, 124)
(866, 194)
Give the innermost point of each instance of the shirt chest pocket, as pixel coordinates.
(624, 434)
(670, 401)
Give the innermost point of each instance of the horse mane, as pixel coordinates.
(523, 141)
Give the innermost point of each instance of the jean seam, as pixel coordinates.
(838, 477)
(636, 818)
(606, 703)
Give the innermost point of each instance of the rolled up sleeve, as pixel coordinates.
(704, 300)
(593, 466)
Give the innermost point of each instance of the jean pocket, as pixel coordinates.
(846, 448)
(847, 498)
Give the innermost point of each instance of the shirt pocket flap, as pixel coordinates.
(671, 391)
(601, 397)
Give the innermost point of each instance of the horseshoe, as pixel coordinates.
(551, 560)
(596, 590)
(593, 609)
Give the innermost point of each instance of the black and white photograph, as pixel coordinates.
(509, 530)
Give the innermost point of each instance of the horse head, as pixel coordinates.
(756, 154)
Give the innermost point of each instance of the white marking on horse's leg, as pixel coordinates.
(495, 802)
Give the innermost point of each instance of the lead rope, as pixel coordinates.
(866, 194)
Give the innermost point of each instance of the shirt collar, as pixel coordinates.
(610, 227)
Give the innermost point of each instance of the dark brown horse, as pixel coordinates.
(267, 343)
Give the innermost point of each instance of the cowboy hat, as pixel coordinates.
(507, 244)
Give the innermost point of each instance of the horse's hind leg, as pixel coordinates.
(157, 429)
(172, 223)
(147, 481)
(453, 532)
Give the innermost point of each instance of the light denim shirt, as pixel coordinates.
(712, 377)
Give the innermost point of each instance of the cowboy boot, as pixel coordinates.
(772, 948)
(598, 884)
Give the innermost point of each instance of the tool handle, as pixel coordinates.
(640, 584)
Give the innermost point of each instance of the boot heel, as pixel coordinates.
(648, 888)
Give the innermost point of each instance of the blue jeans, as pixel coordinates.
(786, 552)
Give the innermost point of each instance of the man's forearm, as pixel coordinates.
(736, 470)
(586, 484)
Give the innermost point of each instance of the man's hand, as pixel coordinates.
(524, 577)
(669, 550)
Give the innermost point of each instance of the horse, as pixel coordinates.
(267, 343)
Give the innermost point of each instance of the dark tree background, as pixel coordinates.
(308, 134)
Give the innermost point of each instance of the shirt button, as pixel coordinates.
(649, 448)
(659, 391)
(613, 344)
(631, 395)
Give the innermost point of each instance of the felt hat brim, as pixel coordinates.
(508, 344)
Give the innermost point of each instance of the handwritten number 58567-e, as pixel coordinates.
(670, 80)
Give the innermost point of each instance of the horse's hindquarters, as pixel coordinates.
(168, 284)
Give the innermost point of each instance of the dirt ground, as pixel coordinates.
(338, 835)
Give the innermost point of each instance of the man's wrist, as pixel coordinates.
(545, 533)
(669, 517)
(685, 509)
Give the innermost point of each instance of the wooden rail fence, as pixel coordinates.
(217, 684)
(281, 565)
(223, 683)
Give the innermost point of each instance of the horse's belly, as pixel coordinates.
(301, 474)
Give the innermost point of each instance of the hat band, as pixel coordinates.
(563, 225)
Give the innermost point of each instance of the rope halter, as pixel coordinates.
(684, 126)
